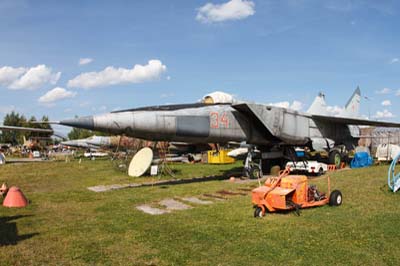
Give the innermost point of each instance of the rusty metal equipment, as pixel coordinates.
(291, 192)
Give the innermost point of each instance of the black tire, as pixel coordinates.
(320, 172)
(336, 198)
(258, 212)
(335, 158)
(254, 172)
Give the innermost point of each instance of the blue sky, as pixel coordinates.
(263, 51)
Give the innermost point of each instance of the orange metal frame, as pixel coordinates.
(273, 196)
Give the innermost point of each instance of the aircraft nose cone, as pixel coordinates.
(86, 122)
(67, 143)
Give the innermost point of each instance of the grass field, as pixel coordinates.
(66, 224)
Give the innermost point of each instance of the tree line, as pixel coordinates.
(19, 120)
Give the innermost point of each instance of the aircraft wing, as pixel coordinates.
(354, 121)
(10, 128)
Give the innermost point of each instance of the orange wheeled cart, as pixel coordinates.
(291, 192)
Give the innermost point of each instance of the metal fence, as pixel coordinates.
(371, 137)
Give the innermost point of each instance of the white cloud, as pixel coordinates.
(232, 10)
(27, 78)
(85, 61)
(394, 60)
(398, 93)
(285, 104)
(384, 114)
(113, 76)
(386, 103)
(56, 94)
(383, 91)
(334, 110)
(34, 78)
(296, 105)
(9, 74)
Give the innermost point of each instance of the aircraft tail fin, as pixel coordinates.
(25, 141)
(352, 107)
(319, 105)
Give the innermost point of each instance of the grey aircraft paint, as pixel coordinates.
(93, 142)
(258, 124)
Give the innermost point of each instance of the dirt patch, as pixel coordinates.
(214, 196)
(230, 193)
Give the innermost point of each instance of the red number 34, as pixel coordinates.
(218, 120)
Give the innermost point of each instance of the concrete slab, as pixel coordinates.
(197, 201)
(102, 188)
(172, 204)
(150, 210)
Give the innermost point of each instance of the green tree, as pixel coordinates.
(17, 120)
(31, 123)
(78, 133)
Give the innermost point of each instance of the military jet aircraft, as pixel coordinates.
(98, 142)
(92, 143)
(30, 129)
(265, 126)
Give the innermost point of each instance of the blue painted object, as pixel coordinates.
(393, 178)
(361, 159)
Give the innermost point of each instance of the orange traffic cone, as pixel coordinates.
(15, 198)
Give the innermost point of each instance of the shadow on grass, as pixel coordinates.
(9, 232)
(237, 172)
(224, 175)
(164, 183)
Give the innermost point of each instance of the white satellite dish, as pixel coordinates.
(140, 162)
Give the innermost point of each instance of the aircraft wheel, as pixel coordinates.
(320, 172)
(258, 212)
(335, 158)
(255, 172)
(335, 199)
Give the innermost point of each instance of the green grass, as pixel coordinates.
(66, 224)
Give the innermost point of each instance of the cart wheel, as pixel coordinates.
(335, 199)
(258, 212)
(254, 172)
